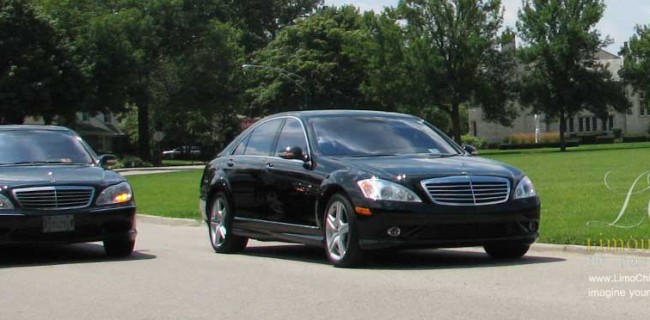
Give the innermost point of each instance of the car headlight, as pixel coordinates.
(525, 189)
(119, 193)
(377, 189)
(5, 203)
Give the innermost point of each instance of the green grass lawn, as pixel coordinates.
(173, 194)
(576, 204)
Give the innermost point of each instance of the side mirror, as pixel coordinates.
(293, 153)
(107, 160)
(470, 149)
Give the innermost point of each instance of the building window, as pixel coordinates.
(85, 116)
(107, 117)
(581, 125)
(587, 124)
(571, 126)
(474, 128)
(594, 123)
(611, 122)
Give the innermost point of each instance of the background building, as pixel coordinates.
(634, 123)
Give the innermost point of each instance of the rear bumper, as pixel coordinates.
(116, 223)
(421, 225)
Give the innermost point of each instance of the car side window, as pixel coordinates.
(262, 138)
(292, 135)
(241, 147)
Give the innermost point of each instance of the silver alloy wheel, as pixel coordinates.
(337, 231)
(217, 222)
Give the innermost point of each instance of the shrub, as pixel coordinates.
(131, 162)
(529, 138)
(477, 142)
(635, 138)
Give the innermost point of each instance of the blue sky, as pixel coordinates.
(618, 22)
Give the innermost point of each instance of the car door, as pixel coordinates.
(244, 167)
(290, 184)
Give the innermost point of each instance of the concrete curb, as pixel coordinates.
(537, 247)
(169, 221)
(570, 248)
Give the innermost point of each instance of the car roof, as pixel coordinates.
(29, 127)
(340, 112)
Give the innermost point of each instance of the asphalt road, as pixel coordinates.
(175, 275)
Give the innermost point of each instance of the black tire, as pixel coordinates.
(119, 248)
(341, 238)
(219, 227)
(507, 250)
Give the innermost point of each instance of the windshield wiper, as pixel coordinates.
(443, 155)
(23, 163)
(374, 155)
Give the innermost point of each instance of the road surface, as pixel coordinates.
(174, 274)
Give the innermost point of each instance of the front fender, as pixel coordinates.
(344, 182)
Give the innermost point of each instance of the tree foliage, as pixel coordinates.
(317, 63)
(389, 83)
(37, 76)
(453, 55)
(176, 65)
(636, 68)
(562, 76)
(261, 20)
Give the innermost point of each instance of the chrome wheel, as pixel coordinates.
(337, 231)
(222, 238)
(217, 222)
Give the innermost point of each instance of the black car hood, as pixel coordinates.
(56, 175)
(429, 166)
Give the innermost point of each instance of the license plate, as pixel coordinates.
(60, 223)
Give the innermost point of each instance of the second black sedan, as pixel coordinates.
(353, 181)
(55, 189)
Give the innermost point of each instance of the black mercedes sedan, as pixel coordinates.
(353, 181)
(55, 189)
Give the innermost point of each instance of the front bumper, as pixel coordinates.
(90, 224)
(424, 225)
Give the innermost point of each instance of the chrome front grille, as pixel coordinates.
(54, 198)
(467, 190)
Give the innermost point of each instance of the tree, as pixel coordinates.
(320, 62)
(261, 20)
(453, 55)
(125, 48)
(562, 76)
(197, 91)
(37, 76)
(636, 65)
(389, 82)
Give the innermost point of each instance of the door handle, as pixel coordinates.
(269, 165)
(230, 163)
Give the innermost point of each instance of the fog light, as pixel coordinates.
(394, 231)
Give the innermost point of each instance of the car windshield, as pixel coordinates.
(377, 136)
(41, 147)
